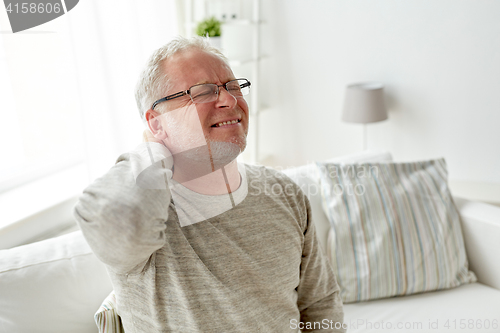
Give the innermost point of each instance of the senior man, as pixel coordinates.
(194, 241)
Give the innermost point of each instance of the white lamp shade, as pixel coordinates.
(364, 103)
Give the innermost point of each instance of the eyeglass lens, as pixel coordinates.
(205, 93)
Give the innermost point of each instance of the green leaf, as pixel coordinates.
(210, 27)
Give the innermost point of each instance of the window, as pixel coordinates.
(39, 119)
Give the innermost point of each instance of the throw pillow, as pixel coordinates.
(107, 318)
(395, 229)
(307, 178)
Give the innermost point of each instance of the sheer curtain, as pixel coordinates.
(111, 43)
(67, 107)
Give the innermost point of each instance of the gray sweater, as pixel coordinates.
(255, 267)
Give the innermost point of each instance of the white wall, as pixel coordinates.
(439, 60)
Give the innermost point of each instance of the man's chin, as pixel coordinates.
(223, 153)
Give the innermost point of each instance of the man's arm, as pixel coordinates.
(123, 214)
(318, 293)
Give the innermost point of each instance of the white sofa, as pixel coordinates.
(468, 308)
(58, 284)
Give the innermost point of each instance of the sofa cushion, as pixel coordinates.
(52, 286)
(107, 318)
(468, 308)
(396, 229)
(481, 229)
(307, 177)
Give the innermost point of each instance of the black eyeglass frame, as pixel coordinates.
(188, 92)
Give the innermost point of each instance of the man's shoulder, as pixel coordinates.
(273, 187)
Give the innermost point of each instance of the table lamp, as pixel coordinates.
(364, 103)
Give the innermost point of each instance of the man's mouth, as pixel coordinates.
(227, 123)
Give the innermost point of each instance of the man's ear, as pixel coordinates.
(153, 119)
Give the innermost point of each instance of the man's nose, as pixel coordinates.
(225, 99)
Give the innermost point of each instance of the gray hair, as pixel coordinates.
(153, 82)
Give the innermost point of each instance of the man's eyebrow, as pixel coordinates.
(205, 82)
(200, 82)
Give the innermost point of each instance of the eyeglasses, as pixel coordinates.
(208, 92)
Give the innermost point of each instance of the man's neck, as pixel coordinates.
(222, 181)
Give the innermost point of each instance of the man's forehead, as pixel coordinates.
(195, 66)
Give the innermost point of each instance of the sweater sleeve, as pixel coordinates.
(123, 214)
(319, 300)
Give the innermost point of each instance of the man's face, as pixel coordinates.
(189, 125)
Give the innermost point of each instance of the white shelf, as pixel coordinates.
(264, 108)
(236, 32)
(240, 62)
(243, 22)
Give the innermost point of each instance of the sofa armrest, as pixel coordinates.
(481, 230)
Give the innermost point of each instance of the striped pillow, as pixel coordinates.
(395, 229)
(107, 318)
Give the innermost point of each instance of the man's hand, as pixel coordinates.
(147, 136)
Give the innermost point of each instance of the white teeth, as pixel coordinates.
(227, 122)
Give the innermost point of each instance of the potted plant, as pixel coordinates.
(210, 28)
